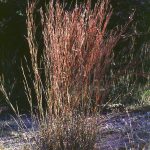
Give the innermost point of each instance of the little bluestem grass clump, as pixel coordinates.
(68, 133)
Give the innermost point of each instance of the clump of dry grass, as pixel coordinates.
(70, 74)
(77, 55)
(66, 133)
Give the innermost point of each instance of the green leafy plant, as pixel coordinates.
(146, 97)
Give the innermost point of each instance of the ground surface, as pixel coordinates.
(125, 131)
(116, 132)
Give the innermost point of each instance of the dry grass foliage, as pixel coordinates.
(68, 134)
(76, 57)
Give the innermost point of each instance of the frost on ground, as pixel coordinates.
(116, 132)
(125, 131)
(17, 134)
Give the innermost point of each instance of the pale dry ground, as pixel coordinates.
(17, 134)
(116, 132)
(129, 131)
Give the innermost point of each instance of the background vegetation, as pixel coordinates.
(130, 67)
